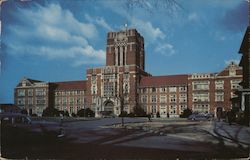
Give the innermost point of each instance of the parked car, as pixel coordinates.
(14, 119)
(23, 121)
(200, 117)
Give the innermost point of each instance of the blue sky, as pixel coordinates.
(57, 40)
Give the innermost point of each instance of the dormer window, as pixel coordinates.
(24, 83)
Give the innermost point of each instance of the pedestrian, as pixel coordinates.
(61, 130)
(229, 117)
(149, 117)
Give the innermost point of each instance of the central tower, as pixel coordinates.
(125, 48)
(114, 86)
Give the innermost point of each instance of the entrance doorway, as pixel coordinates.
(108, 108)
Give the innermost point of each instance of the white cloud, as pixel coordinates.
(54, 33)
(147, 29)
(193, 17)
(150, 32)
(100, 21)
(165, 49)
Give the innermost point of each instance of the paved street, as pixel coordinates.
(159, 139)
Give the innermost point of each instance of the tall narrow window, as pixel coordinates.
(123, 50)
(119, 52)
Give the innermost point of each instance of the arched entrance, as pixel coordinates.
(108, 108)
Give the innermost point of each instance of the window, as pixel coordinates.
(162, 110)
(30, 101)
(173, 109)
(126, 99)
(219, 96)
(235, 84)
(125, 88)
(183, 98)
(30, 92)
(172, 89)
(71, 100)
(40, 92)
(20, 101)
(153, 98)
(58, 101)
(108, 77)
(40, 100)
(78, 100)
(153, 89)
(64, 101)
(153, 109)
(108, 89)
(163, 89)
(201, 85)
(21, 92)
(94, 91)
(126, 76)
(94, 100)
(182, 108)
(172, 98)
(144, 99)
(183, 89)
(201, 108)
(162, 99)
(93, 79)
(200, 97)
(144, 90)
(219, 84)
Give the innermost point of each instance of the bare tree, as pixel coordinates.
(168, 6)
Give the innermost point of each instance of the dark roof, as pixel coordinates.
(245, 42)
(33, 80)
(70, 85)
(169, 80)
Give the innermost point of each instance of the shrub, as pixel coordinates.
(131, 114)
(158, 115)
(123, 114)
(73, 115)
(50, 112)
(186, 113)
(86, 113)
(139, 112)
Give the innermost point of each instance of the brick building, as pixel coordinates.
(209, 92)
(164, 94)
(69, 96)
(123, 83)
(32, 95)
(117, 82)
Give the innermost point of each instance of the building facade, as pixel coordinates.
(123, 84)
(164, 94)
(210, 92)
(114, 86)
(32, 95)
(244, 93)
(69, 96)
